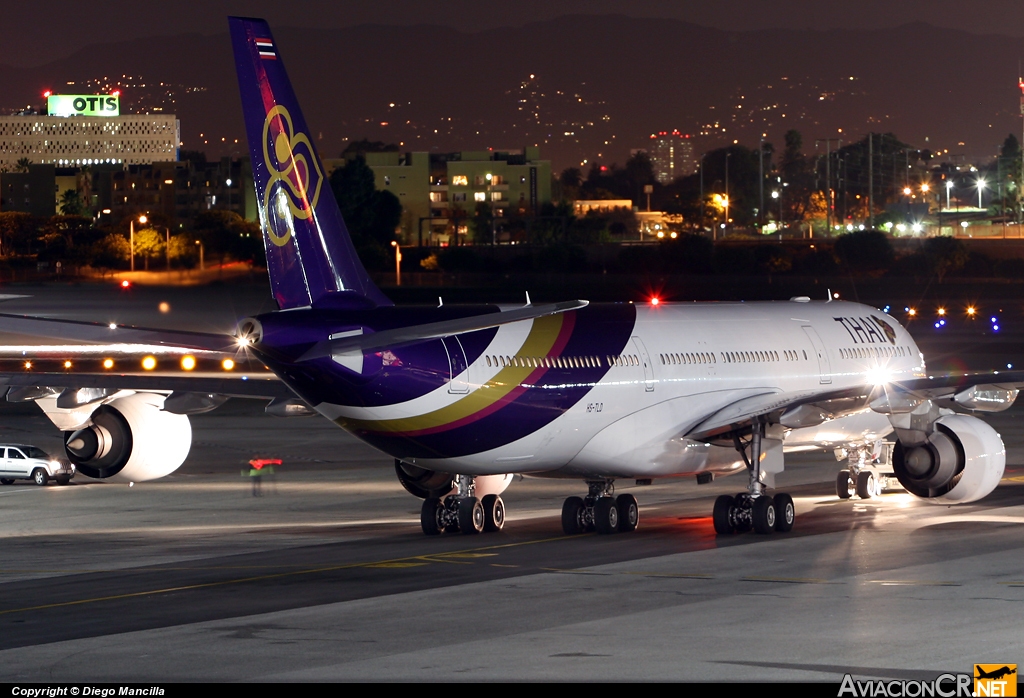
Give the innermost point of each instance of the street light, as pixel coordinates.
(142, 221)
(981, 188)
(398, 262)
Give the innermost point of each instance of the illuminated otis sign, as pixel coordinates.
(83, 105)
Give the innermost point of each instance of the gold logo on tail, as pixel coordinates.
(295, 178)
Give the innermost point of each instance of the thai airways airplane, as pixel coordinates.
(465, 397)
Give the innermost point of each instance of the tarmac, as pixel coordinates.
(327, 576)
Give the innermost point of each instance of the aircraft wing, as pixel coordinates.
(217, 365)
(249, 386)
(981, 392)
(98, 333)
(433, 330)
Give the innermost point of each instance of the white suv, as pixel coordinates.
(20, 462)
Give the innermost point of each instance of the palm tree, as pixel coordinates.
(23, 165)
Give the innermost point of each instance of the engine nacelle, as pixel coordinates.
(130, 439)
(962, 461)
(424, 483)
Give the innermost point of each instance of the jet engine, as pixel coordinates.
(130, 439)
(424, 483)
(961, 461)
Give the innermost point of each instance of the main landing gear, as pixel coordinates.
(754, 509)
(462, 512)
(600, 510)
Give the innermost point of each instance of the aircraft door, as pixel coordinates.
(457, 365)
(824, 366)
(645, 359)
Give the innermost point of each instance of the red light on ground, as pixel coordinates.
(126, 283)
(603, 168)
(655, 300)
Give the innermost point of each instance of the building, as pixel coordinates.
(671, 154)
(173, 191)
(441, 192)
(96, 133)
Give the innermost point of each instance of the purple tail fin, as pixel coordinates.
(310, 255)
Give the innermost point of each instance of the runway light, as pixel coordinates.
(835, 295)
(149, 363)
(28, 364)
(188, 362)
(108, 363)
(164, 307)
(126, 283)
(942, 311)
(112, 326)
(227, 364)
(67, 364)
(971, 310)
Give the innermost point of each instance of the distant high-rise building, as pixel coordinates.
(671, 154)
(90, 130)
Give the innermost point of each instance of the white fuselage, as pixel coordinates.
(683, 364)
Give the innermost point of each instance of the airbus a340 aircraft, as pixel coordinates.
(464, 397)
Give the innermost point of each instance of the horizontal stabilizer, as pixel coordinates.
(433, 330)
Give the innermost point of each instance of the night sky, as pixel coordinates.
(31, 33)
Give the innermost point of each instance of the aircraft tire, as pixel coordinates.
(629, 512)
(763, 514)
(785, 513)
(572, 516)
(722, 514)
(843, 484)
(494, 513)
(606, 515)
(865, 484)
(471, 515)
(430, 516)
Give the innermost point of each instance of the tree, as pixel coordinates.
(149, 243)
(370, 215)
(16, 229)
(183, 249)
(797, 176)
(864, 250)
(71, 203)
(23, 165)
(482, 222)
(363, 146)
(571, 180)
(111, 251)
(945, 254)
